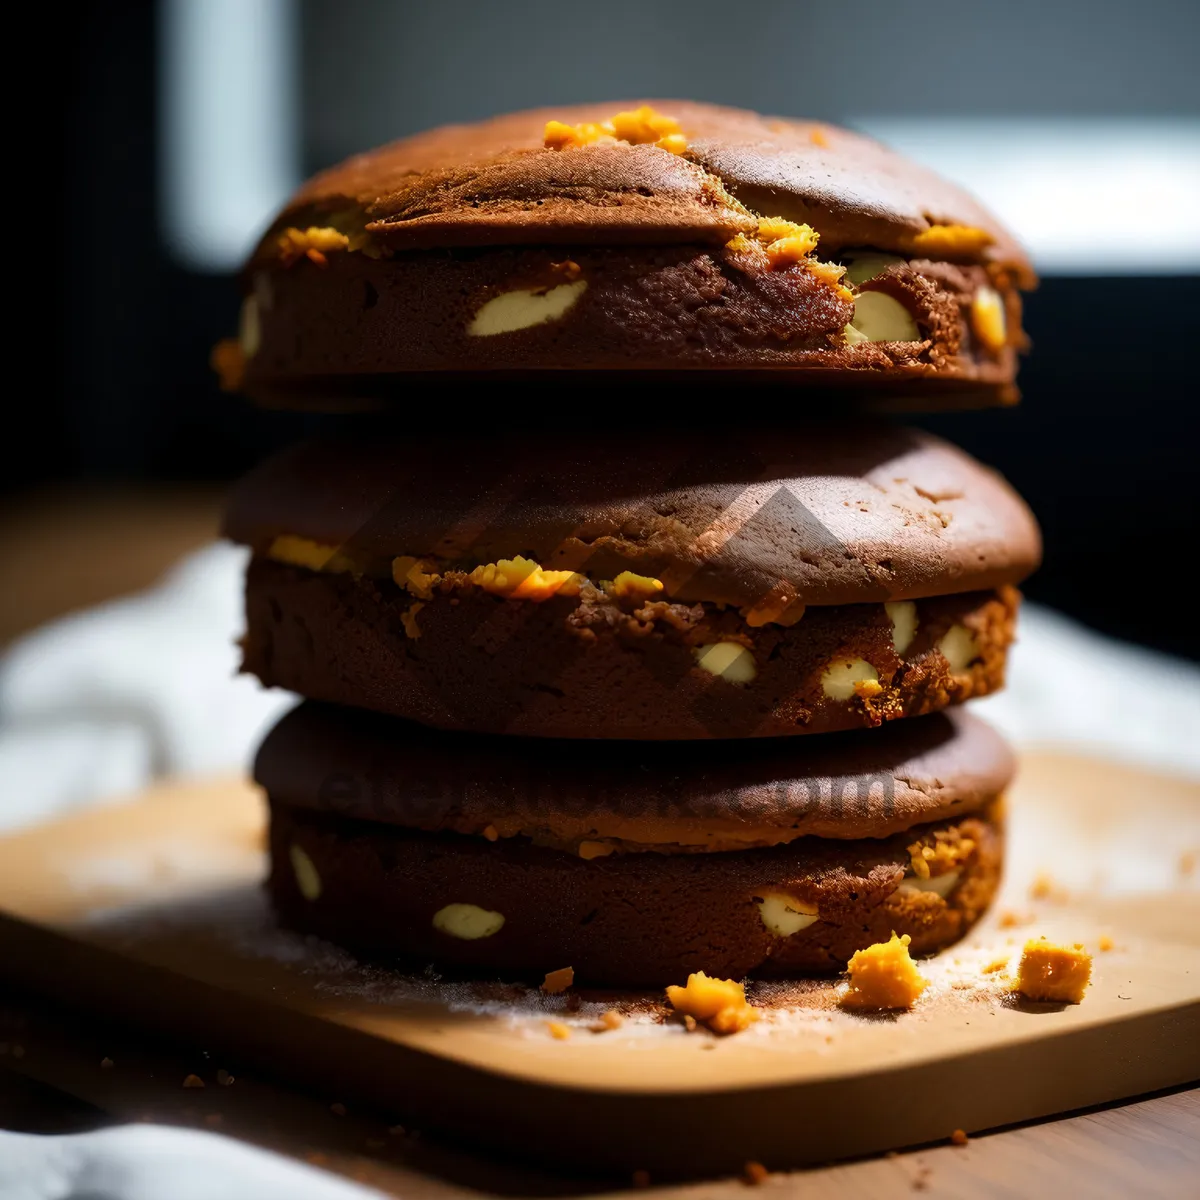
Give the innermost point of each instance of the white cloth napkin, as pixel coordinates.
(98, 704)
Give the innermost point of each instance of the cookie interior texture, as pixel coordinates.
(754, 246)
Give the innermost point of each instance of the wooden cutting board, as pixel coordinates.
(151, 911)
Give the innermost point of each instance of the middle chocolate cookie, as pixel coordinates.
(701, 586)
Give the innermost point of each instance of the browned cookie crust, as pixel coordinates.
(664, 255)
(628, 920)
(594, 798)
(590, 667)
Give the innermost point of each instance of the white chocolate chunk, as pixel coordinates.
(467, 921)
(523, 309)
(730, 661)
(904, 623)
(861, 267)
(840, 677)
(307, 879)
(784, 915)
(959, 646)
(879, 317)
(249, 328)
(941, 885)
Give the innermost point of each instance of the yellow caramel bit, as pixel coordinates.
(558, 1030)
(774, 229)
(951, 241)
(830, 274)
(228, 362)
(630, 586)
(1054, 973)
(884, 976)
(313, 243)
(638, 127)
(316, 556)
(415, 576)
(741, 244)
(867, 689)
(408, 618)
(522, 579)
(720, 1003)
(945, 853)
(783, 252)
(988, 320)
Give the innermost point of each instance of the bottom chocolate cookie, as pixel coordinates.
(628, 920)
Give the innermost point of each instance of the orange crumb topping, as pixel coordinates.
(950, 241)
(638, 127)
(755, 1174)
(988, 320)
(609, 1020)
(313, 243)
(558, 1030)
(415, 576)
(629, 586)
(522, 579)
(303, 552)
(884, 976)
(720, 1003)
(1052, 972)
(228, 362)
(558, 981)
(945, 852)
(408, 618)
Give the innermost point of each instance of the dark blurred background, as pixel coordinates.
(186, 121)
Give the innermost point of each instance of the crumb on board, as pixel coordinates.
(959, 1137)
(1044, 888)
(611, 1019)
(1104, 942)
(1052, 972)
(193, 1081)
(720, 1004)
(754, 1174)
(1011, 920)
(997, 964)
(883, 976)
(558, 981)
(558, 1030)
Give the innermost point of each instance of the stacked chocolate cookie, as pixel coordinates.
(562, 688)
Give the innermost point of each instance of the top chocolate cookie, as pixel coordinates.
(636, 239)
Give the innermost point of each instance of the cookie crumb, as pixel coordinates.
(754, 1174)
(558, 981)
(1044, 888)
(997, 964)
(720, 1004)
(558, 1030)
(1053, 973)
(1010, 919)
(959, 1137)
(608, 1020)
(193, 1081)
(883, 976)
(1104, 942)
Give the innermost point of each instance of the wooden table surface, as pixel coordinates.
(52, 1081)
